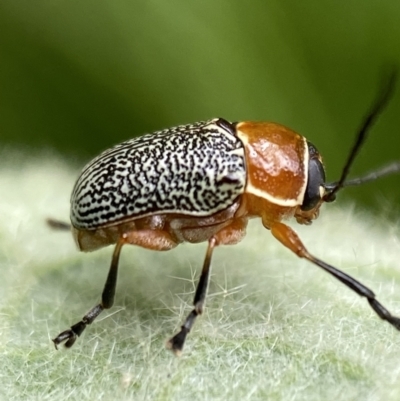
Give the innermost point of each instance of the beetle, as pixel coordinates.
(203, 182)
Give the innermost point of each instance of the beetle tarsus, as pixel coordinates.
(176, 343)
(383, 313)
(107, 300)
(71, 335)
(68, 336)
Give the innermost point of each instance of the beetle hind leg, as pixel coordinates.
(107, 300)
(176, 343)
(58, 224)
(290, 239)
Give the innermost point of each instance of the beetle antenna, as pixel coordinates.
(379, 104)
(391, 168)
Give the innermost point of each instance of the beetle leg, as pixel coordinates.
(107, 300)
(290, 239)
(175, 344)
(58, 224)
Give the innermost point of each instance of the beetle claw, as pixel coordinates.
(68, 336)
(70, 342)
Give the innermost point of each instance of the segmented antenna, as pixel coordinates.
(378, 106)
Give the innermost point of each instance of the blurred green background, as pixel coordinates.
(79, 76)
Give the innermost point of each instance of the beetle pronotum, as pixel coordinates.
(202, 182)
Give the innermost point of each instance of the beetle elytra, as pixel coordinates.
(203, 182)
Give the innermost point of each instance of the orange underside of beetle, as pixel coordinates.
(164, 232)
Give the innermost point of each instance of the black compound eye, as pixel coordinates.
(316, 180)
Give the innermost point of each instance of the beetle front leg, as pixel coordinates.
(176, 343)
(107, 300)
(290, 239)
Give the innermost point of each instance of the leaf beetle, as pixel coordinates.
(203, 182)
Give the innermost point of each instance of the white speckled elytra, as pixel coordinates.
(196, 169)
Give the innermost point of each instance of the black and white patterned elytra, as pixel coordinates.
(195, 170)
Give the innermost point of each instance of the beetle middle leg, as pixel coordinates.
(176, 343)
(229, 235)
(107, 300)
(290, 239)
